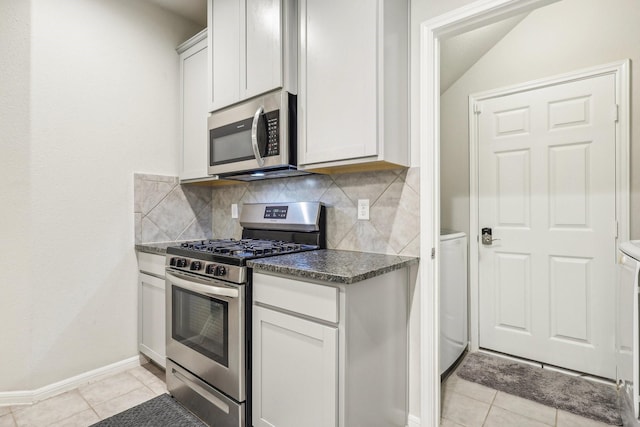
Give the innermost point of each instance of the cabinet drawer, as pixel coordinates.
(151, 263)
(296, 296)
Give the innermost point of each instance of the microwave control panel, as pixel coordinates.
(273, 133)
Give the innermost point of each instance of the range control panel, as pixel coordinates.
(227, 272)
(278, 212)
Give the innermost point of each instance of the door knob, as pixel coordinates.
(487, 236)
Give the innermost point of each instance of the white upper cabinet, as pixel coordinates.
(263, 41)
(224, 52)
(250, 49)
(353, 83)
(193, 107)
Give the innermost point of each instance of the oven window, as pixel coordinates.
(201, 323)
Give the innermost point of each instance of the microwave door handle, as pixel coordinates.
(211, 291)
(254, 136)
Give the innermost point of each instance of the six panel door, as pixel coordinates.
(547, 188)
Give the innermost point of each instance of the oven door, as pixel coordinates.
(206, 330)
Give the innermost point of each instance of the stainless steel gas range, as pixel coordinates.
(209, 307)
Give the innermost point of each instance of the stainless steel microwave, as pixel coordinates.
(255, 139)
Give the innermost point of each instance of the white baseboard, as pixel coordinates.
(413, 421)
(28, 397)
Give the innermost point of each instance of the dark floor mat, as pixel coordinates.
(572, 394)
(161, 411)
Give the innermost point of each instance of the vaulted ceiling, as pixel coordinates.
(459, 53)
(193, 10)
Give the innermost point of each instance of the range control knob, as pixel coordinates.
(181, 262)
(220, 271)
(195, 266)
(211, 269)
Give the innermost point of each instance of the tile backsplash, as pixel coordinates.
(167, 211)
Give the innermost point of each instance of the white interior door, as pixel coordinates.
(546, 187)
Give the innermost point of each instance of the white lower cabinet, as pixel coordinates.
(297, 377)
(327, 355)
(151, 307)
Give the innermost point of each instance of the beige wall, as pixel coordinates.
(559, 38)
(15, 188)
(93, 98)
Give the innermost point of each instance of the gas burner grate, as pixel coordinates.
(243, 248)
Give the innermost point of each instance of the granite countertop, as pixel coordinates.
(335, 266)
(155, 248)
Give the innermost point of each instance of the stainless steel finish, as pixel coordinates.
(488, 240)
(199, 387)
(233, 273)
(202, 399)
(254, 136)
(267, 174)
(208, 290)
(301, 216)
(207, 285)
(277, 100)
(230, 380)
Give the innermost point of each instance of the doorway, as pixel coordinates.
(432, 32)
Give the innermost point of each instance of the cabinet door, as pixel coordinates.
(294, 371)
(151, 318)
(194, 111)
(263, 41)
(338, 78)
(224, 52)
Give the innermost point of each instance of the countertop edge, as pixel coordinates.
(153, 248)
(264, 266)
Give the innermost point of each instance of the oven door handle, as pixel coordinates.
(254, 136)
(209, 290)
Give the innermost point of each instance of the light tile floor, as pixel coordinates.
(90, 403)
(464, 404)
(467, 404)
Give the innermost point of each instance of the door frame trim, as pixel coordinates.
(457, 21)
(620, 69)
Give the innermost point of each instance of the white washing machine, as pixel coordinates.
(454, 335)
(628, 329)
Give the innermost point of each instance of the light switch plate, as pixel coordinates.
(363, 209)
(234, 210)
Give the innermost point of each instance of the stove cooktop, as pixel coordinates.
(268, 230)
(236, 252)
